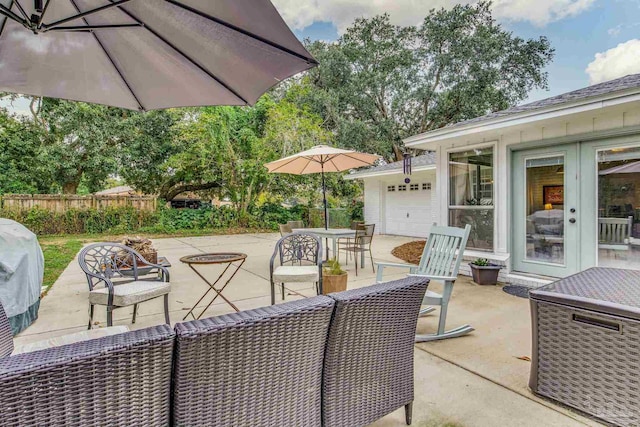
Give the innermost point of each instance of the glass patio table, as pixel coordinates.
(331, 233)
(228, 258)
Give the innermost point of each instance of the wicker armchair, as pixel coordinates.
(6, 337)
(120, 380)
(253, 368)
(300, 256)
(376, 320)
(103, 262)
(7, 347)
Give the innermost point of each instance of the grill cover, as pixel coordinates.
(21, 271)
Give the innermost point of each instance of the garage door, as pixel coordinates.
(408, 209)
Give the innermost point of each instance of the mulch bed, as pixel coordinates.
(409, 252)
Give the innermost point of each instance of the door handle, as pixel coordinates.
(572, 220)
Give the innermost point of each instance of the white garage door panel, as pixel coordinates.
(408, 213)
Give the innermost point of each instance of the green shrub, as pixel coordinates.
(123, 220)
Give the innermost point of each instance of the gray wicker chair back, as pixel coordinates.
(120, 380)
(6, 337)
(253, 368)
(368, 367)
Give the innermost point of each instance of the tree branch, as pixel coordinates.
(170, 193)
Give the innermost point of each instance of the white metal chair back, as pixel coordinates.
(443, 251)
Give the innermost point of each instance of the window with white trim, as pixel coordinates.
(471, 195)
(402, 187)
(426, 186)
(391, 188)
(414, 187)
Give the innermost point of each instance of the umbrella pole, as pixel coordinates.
(324, 199)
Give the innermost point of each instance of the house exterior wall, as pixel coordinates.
(372, 203)
(593, 125)
(375, 196)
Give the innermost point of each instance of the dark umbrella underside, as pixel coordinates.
(147, 54)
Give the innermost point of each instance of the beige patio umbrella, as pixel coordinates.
(321, 159)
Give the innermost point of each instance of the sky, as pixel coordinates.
(594, 40)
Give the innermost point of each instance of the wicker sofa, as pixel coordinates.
(302, 363)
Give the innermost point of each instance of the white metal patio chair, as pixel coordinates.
(440, 261)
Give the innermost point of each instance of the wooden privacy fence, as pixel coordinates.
(64, 202)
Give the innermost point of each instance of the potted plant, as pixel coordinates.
(334, 278)
(484, 272)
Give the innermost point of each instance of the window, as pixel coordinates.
(414, 187)
(471, 195)
(619, 207)
(391, 188)
(402, 187)
(426, 186)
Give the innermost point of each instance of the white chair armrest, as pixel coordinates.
(441, 278)
(382, 265)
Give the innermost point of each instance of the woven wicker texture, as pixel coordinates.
(604, 284)
(588, 367)
(368, 370)
(253, 368)
(121, 380)
(6, 337)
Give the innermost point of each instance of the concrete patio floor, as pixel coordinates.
(476, 380)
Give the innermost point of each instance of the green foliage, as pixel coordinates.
(76, 221)
(380, 83)
(20, 165)
(123, 220)
(333, 268)
(481, 262)
(356, 209)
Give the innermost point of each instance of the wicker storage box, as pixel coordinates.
(586, 343)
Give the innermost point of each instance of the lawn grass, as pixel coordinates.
(59, 251)
(57, 255)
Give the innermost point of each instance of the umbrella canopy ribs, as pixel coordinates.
(147, 54)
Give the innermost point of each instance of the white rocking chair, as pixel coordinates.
(440, 261)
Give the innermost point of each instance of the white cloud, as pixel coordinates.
(299, 14)
(616, 62)
(614, 31)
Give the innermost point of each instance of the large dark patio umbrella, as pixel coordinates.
(321, 159)
(146, 54)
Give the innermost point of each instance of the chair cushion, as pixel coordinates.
(130, 293)
(71, 339)
(296, 274)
